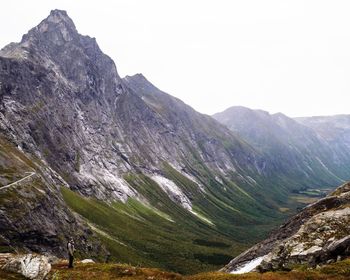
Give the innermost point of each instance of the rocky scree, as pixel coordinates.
(319, 234)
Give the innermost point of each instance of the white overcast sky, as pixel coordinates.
(280, 56)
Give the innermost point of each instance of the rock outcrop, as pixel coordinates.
(31, 266)
(319, 234)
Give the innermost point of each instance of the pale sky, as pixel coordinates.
(280, 56)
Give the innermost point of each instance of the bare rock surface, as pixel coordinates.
(319, 234)
(31, 266)
(87, 261)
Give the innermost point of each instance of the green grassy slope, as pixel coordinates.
(141, 235)
(160, 233)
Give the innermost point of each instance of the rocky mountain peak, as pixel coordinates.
(75, 59)
(58, 28)
(58, 16)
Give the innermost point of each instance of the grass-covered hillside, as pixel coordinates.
(154, 233)
(161, 233)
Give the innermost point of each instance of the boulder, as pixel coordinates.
(87, 261)
(317, 235)
(31, 266)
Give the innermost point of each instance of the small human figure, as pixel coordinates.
(71, 250)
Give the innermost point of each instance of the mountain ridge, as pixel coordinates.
(300, 147)
(74, 116)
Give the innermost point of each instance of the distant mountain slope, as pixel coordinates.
(154, 181)
(334, 129)
(297, 150)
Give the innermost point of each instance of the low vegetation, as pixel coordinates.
(335, 271)
(172, 238)
(143, 235)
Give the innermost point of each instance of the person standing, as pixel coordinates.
(71, 250)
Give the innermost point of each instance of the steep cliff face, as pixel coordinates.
(72, 109)
(317, 235)
(60, 89)
(187, 131)
(33, 215)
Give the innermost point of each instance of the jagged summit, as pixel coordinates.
(62, 14)
(55, 43)
(139, 76)
(57, 16)
(58, 25)
(53, 36)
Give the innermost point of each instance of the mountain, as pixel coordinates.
(108, 163)
(334, 129)
(319, 234)
(130, 172)
(294, 148)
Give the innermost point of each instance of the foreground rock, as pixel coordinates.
(31, 266)
(87, 261)
(319, 234)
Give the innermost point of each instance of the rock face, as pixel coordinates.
(89, 125)
(34, 267)
(33, 214)
(319, 234)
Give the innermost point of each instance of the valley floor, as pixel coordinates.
(336, 271)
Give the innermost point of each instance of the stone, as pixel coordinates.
(87, 261)
(312, 250)
(317, 235)
(31, 266)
